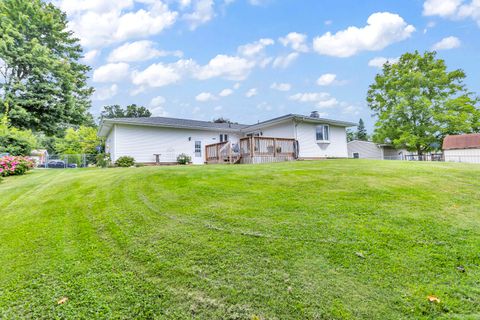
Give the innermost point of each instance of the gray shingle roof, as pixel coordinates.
(178, 123)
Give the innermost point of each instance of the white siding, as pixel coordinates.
(282, 130)
(309, 148)
(365, 150)
(110, 143)
(142, 142)
(462, 155)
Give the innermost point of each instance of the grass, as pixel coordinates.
(338, 239)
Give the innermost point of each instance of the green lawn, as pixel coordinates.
(333, 239)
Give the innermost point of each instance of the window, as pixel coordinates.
(223, 137)
(198, 148)
(323, 133)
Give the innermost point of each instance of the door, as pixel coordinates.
(198, 159)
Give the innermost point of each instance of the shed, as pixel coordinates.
(462, 148)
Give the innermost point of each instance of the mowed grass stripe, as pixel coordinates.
(330, 239)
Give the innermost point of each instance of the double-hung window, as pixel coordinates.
(223, 137)
(323, 133)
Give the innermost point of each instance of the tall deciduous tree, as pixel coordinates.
(42, 83)
(417, 102)
(131, 111)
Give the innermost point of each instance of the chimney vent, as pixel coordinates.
(314, 114)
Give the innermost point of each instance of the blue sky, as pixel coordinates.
(250, 60)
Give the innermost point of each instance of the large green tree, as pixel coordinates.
(417, 101)
(131, 111)
(42, 83)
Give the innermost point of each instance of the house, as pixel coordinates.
(160, 140)
(370, 150)
(40, 156)
(462, 148)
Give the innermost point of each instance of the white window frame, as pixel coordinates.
(325, 132)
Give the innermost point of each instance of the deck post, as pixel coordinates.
(252, 149)
(218, 152)
(274, 147)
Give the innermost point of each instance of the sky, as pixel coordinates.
(252, 60)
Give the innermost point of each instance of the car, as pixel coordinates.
(56, 164)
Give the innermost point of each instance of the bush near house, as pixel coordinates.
(183, 159)
(125, 162)
(11, 166)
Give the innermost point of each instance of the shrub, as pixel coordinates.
(11, 166)
(103, 160)
(183, 159)
(125, 161)
(16, 142)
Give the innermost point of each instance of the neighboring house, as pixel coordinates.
(462, 148)
(308, 137)
(358, 149)
(40, 156)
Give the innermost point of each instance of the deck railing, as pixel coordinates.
(252, 150)
(267, 149)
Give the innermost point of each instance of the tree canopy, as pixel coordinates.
(42, 83)
(82, 140)
(417, 102)
(131, 111)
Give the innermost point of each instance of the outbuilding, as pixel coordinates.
(462, 148)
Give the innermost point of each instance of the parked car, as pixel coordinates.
(56, 164)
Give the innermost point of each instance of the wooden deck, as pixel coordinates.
(252, 150)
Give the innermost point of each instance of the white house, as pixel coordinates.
(462, 148)
(370, 150)
(163, 139)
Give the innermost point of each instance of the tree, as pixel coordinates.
(417, 102)
(350, 135)
(223, 120)
(361, 131)
(84, 140)
(131, 111)
(16, 142)
(42, 84)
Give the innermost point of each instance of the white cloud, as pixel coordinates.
(105, 93)
(378, 62)
(203, 11)
(112, 72)
(453, 9)
(296, 41)
(251, 93)
(351, 109)
(157, 106)
(99, 23)
(322, 100)
(228, 67)
(218, 108)
(205, 97)
(236, 86)
(382, 30)
(442, 8)
(252, 50)
(90, 56)
(157, 75)
(138, 51)
(285, 61)
(326, 79)
(225, 92)
(281, 86)
(447, 43)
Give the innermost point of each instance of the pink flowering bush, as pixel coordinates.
(11, 166)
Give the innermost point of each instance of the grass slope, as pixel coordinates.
(307, 240)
